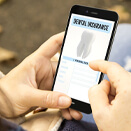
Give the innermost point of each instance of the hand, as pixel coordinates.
(27, 86)
(111, 100)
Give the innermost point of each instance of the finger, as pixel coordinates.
(54, 66)
(48, 99)
(66, 114)
(76, 114)
(55, 57)
(98, 96)
(52, 45)
(113, 70)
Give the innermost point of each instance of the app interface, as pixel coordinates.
(87, 39)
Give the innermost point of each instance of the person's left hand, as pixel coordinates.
(27, 86)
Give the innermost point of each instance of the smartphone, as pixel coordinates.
(89, 36)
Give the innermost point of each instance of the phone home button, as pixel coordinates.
(73, 102)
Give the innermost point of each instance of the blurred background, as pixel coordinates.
(26, 24)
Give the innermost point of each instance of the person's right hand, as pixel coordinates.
(111, 100)
(29, 84)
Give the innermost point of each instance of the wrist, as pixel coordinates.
(6, 109)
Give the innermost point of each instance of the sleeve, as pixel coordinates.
(6, 125)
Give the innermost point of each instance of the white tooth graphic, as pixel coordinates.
(85, 44)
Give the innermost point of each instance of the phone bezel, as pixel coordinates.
(99, 13)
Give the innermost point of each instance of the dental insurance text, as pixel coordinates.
(87, 39)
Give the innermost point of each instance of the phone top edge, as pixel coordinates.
(102, 13)
(101, 9)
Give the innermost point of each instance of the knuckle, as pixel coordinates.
(114, 65)
(49, 100)
(105, 82)
(54, 38)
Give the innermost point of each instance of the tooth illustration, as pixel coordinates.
(85, 44)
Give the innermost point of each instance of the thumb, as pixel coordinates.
(49, 99)
(98, 96)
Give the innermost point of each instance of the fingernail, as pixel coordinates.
(64, 101)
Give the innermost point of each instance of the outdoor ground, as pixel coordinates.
(26, 24)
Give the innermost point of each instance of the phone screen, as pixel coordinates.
(87, 39)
